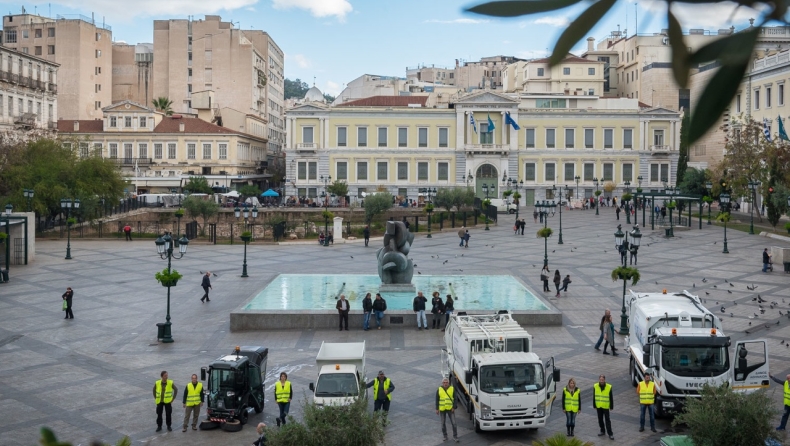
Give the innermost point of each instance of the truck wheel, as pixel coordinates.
(511, 211)
(477, 427)
(244, 416)
(231, 426)
(208, 425)
(634, 379)
(252, 403)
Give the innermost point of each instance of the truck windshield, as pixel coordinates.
(695, 361)
(511, 378)
(337, 384)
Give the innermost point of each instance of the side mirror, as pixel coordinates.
(468, 377)
(646, 355)
(556, 375)
(312, 387)
(202, 373)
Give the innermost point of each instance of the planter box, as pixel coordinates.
(245, 239)
(168, 284)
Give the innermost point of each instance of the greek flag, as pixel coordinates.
(782, 132)
(511, 121)
(766, 129)
(472, 121)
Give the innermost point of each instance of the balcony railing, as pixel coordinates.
(132, 161)
(660, 148)
(52, 87)
(486, 148)
(306, 147)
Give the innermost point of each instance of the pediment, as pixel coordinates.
(127, 106)
(660, 111)
(307, 108)
(488, 97)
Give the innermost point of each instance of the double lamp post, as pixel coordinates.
(67, 204)
(623, 248)
(164, 247)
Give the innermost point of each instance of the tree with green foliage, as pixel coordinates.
(559, 439)
(683, 152)
(198, 207)
(48, 438)
(332, 425)
(733, 52)
(775, 201)
(339, 188)
(198, 185)
(164, 105)
(295, 88)
(329, 98)
(744, 155)
(454, 197)
(377, 204)
(724, 417)
(693, 181)
(249, 190)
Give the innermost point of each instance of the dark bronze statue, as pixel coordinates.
(394, 264)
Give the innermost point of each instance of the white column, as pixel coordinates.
(504, 129)
(468, 128)
(326, 132)
(337, 230)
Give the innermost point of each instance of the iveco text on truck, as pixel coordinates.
(683, 344)
(341, 368)
(500, 382)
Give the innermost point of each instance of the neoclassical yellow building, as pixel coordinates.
(400, 144)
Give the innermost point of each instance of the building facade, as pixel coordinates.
(574, 76)
(28, 91)
(132, 73)
(402, 149)
(159, 152)
(82, 48)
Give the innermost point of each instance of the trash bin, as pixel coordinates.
(668, 232)
(786, 264)
(160, 331)
(4, 274)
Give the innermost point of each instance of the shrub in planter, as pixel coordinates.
(180, 213)
(246, 236)
(545, 232)
(327, 215)
(672, 205)
(707, 199)
(639, 190)
(723, 217)
(429, 207)
(71, 221)
(627, 197)
(486, 203)
(787, 226)
(516, 197)
(168, 278)
(507, 193)
(3, 236)
(626, 273)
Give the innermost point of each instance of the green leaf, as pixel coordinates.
(518, 8)
(718, 94)
(680, 66)
(734, 49)
(579, 28)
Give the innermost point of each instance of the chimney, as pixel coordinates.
(76, 126)
(181, 127)
(590, 44)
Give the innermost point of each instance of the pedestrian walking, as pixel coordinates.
(445, 408)
(608, 335)
(437, 308)
(466, 239)
(67, 297)
(766, 260)
(342, 311)
(206, 286)
(283, 394)
(127, 230)
(544, 276)
(786, 384)
(614, 201)
(603, 320)
(557, 280)
(379, 307)
(449, 307)
(571, 405)
(261, 441)
(647, 397)
(461, 235)
(418, 305)
(366, 234)
(164, 394)
(617, 211)
(535, 215)
(604, 402)
(193, 399)
(367, 308)
(382, 392)
(523, 225)
(565, 282)
(406, 223)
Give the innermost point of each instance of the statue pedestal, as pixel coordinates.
(397, 288)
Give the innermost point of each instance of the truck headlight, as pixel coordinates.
(231, 393)
(485, 412)
(541, 409)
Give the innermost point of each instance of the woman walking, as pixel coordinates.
(571, 405)
(557, 280)
(449, 307)
(544, 276)
(608, 335)
(437, 308)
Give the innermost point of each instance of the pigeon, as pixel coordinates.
(777, 323)
(754, 299)
(215, 274)
(783, 342)
(351, 257)
(755, 315)
(605, 250)
(693, 285)
(717, 302)
(445, 262)
(722, 309)
(707, 293)
(714, 243)
(704, 280)
(731, 315)
(730, 283)
(750, 323)
(714, 286)
(462, 255)
(415, 265)
(747, 331)
(725, 281)
(735, 303)
(419, 272)
(551, 250)
(533, 266)
(729, 291)
(656, 283)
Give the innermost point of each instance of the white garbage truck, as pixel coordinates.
(681, 342)
(341, 372)
(500, 382)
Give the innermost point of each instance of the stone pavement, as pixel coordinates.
(91, 377)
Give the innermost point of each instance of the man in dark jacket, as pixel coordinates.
(766, 260)
(366, 234)
(342, 311)
(367, 308)
(382, 392)
(206, 285)
(379, 307)
(437, 308)
(67, 297)
(419, 309)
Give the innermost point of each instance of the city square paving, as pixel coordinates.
(91, 377)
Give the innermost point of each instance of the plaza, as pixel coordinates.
(91, 377)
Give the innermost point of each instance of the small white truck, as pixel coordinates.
(341, 369)
(497, 378)
(682, 343)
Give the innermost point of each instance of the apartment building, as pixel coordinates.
(432, 74)
(28, 91)
(80, 46)
(244, 69)
(574, 76)
(401, 145)
(132, 72)
(159, 152)
(483, 74)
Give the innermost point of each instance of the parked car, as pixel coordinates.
(503, 206)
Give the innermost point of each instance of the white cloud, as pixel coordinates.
(531, 54)
(333, 88)
(318, 8)
(709, 16)
(552, 21)
(301, 61)
(506, 42)
(458, 21)
(121, 11)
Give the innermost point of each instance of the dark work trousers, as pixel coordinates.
(69, 314)
(205, 296)
(379, 404)
(367, 239)
(343, 319)
(129, 236)
(168, 414)
(604, 421)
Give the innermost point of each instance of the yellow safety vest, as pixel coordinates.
(787, 393)
(646, 395)
(376, 388)
(193, 394)
(602, 396)
(446, 399)
(571, 399)
(168, 395)
(282, 393)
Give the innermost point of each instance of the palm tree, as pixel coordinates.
(163, 104)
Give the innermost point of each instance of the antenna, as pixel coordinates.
(636, 20)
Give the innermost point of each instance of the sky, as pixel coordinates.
(335, 41)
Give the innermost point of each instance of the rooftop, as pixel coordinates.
(386, 101)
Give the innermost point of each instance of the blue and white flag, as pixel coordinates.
(472, 121)
(511, 121)
(766, 129)
(490, 124)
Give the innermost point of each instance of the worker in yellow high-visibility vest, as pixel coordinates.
(647, 397)
(445, 407)
(603, 403)
(571, 405)
(786, 413)
(283, 393)
(193, 399)
(165, 392)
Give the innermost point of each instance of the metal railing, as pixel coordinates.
(660, 148)
(131, 161)
(84, 19)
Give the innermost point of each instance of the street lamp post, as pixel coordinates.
(164, 247)
(627, 202)
(9, 208)
(597, 200)
(468, 178)
(67, 204)
(753, 185)
(429, 207)
(709, 187)
(577, 178)
(325, 180)
(486, 190)
(29, 196)
(724, 200)
(516, 184)
(546, 207)
(554, 188)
